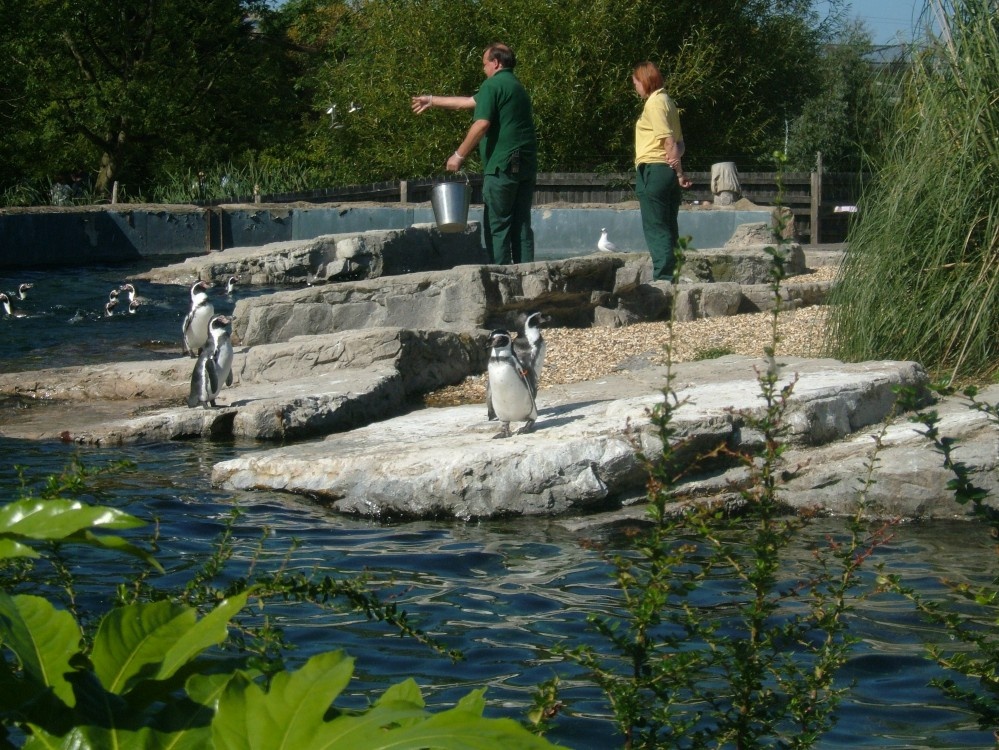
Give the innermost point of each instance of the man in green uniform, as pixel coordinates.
(503, 129)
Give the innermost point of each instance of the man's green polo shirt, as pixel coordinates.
(503, 100)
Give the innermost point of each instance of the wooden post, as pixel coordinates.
(814, 219)
(403, 191)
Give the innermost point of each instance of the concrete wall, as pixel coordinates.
(105, 234)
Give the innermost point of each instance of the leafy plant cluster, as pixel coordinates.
(758, 671)
(163, 669)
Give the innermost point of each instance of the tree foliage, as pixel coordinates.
(149, 93)
(127, 89)
(734, 68)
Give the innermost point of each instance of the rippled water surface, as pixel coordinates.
(503, 592)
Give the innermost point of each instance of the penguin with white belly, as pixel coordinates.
(509, 393)
(531, 348)
(214, 365)
(195, 328)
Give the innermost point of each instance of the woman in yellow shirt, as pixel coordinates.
(659, 171)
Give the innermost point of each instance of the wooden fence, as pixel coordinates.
(813, 197)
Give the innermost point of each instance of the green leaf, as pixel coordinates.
(115, 544)
(401, 726)
(153, 640)
(209, 631)
(100, 738)
(287, 716)
(43, 638)
(206, 689)
(58, 519)
(133, 641)
(10, 548)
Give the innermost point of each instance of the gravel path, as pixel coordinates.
(578, 354)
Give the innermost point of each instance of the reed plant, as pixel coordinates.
(920, 279)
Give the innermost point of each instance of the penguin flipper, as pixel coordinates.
(186, 330)
(197, 387)
(490, 411)
(228, 380)
(213, 378)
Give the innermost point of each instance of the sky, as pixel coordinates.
(886, 20)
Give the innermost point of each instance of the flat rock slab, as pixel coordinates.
(307, 387)
(581, 456)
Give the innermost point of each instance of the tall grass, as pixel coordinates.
(920, 280)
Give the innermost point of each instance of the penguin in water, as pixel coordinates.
(531, 347)
(195, 328)
(129, 291)
(22, 291)
(109, 307)
(8, 309)
(230, 285)
(509, 394)
(214, 365)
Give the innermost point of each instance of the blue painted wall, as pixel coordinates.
(68, 236)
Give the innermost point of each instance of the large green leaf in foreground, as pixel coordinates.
(291, 716)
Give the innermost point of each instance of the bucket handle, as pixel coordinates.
(460, 173)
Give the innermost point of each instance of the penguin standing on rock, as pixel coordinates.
(531, 348)
(214, 365)
(195, 328)
(509, 394)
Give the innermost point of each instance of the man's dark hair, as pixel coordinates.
(502, 54)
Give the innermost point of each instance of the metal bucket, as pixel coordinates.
(450, 201)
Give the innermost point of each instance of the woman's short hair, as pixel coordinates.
(502, 54)
(647, 73)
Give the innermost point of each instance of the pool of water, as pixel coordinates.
(503, 592)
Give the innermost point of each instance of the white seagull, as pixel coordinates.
(605, 244)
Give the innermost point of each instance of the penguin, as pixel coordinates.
(604, 244)
(195, 328)
(508, 391)
(129, 291)
(214, 365)
(22, 291)
(133, 306)
(109, 307)
(8, 309)
(530, 348)
(230, 285)
(113, 296)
